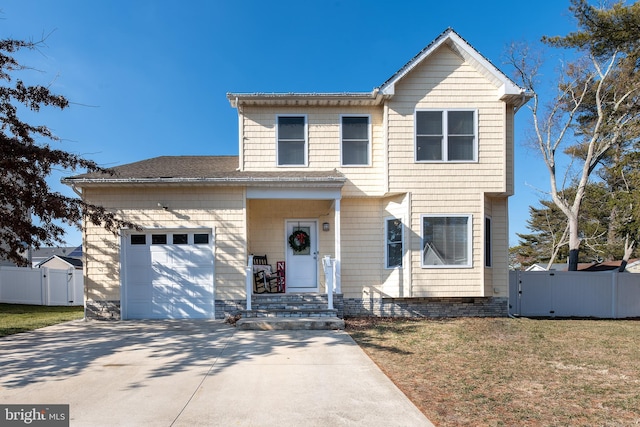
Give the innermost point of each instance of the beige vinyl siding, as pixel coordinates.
(498, 285)
(396, 281)
(446, 82)
(221, 209)
(451, 282)
(510, 150)
(362, 247)
(323, 143)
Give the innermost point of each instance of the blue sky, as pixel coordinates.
(148, 77)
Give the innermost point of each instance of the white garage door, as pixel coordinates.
(168, 274)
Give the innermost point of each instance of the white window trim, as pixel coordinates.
(386, 243)
(370, 143)
(488, 256)
(306, 141)
(445, 153)
(469, 241)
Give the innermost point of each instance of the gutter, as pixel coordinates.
(74, 182)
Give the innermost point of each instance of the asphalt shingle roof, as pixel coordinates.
(198, 168)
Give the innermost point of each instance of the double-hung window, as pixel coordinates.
(446, 241)
(394, 242)
(446, 135)
(355, 141)
(292, 141)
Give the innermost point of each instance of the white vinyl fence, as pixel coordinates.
(41, 286)
(607, 295)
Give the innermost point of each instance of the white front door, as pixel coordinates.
(302, 265)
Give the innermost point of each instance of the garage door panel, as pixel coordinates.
(138, 256)
(165, 281)
(159, 255)
(192, 258)
(185, 289)
(192, 310)
(140, 292)
(138, 274)
(140, 309)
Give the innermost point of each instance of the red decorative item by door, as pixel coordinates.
(280, 271)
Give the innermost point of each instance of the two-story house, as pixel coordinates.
(406, 187)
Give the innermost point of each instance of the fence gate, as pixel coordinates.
(574, 294)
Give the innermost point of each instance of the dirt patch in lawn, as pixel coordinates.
(501, 371)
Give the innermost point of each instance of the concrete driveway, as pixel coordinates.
(199, 373)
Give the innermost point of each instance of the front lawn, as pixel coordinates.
(507, 372)
(15, 318)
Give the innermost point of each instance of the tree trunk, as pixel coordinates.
(574, 240)
(628, 250)
(573, 260)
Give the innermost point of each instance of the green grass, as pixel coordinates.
(511, 372)
(16, 318)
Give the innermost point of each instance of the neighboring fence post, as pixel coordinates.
(249, 281)
(44, 286)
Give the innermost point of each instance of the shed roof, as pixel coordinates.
(73, 262)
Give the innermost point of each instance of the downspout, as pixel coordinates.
(522, 104)
(75, 190)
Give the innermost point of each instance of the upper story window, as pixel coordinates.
(356, 146)
(446, 136)
(292, 141)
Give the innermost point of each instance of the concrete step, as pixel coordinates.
(289, 323)
(288, 306)
(290, 302)
(289, 312)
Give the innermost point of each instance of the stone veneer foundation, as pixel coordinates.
(426, 307)
(353, 307)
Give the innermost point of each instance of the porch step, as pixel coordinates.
(290, 311)
(278, 302)
(289, 323)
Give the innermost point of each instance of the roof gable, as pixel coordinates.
(72, 262)
(507, 89)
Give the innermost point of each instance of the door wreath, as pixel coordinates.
(299, 240)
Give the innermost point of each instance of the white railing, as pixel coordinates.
(329, 267)
(249, 281)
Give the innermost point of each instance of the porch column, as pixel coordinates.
(338, 245)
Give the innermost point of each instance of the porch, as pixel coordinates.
(293, 310)
(296, 226)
